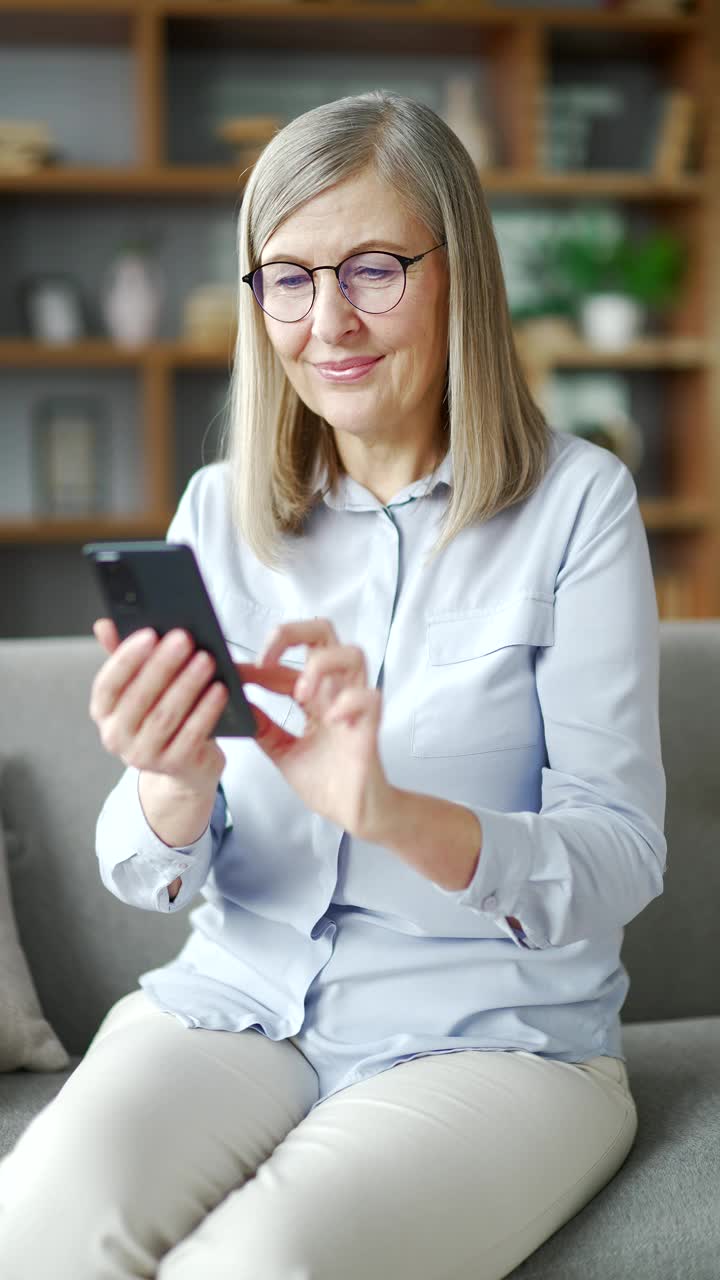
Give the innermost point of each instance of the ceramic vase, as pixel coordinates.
(132, 297)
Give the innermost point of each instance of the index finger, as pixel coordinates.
(278, 679)
(119, 670)
(311, 631)
(106, 633)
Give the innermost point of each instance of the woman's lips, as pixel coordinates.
(347, 370)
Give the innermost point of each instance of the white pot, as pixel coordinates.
(611, 320)
(132, 298)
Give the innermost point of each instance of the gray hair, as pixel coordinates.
(497, 433)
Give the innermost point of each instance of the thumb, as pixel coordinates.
(271, 738)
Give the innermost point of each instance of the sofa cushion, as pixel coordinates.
(26, 1037)
(22, 1095)
(658, 1218)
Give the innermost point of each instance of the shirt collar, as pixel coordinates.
(349, 495)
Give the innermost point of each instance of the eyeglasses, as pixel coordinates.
(372, 282)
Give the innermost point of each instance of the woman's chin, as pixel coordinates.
(366, 427)
(358, 413)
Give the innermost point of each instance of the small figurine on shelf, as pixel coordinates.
(210, 315)
(249, 135)
(25, 145)
(132, 296)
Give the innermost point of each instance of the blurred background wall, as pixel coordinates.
(126, 127)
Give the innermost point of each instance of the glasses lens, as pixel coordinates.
(372, 281)
(284, 290)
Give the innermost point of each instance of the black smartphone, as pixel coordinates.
(159, 585)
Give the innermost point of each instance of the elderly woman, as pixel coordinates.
(391, 1044)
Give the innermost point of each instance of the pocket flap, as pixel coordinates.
(526, 620)
(249, 625)
(246, 625)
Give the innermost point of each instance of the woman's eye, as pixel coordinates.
(291, 282)
(371, 274)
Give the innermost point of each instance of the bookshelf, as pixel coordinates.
(677, 370)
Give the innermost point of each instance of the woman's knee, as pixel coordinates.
(150, 1132)
(75, 1198)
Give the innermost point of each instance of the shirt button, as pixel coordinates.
(490, 903)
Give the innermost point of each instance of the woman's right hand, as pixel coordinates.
(154, 706)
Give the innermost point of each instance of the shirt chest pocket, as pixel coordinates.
(246, 626)
(477, 693)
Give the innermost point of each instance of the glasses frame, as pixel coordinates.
(282, 262)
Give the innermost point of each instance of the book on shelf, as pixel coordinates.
(675, 135)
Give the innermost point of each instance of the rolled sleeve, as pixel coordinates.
(594, 856)
(137, 866)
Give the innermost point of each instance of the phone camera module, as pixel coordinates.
(121, 584)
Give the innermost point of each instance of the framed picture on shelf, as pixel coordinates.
(71, 456)
(52, 308)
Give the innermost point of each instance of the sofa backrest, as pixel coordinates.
(670, 949)
(86, 948)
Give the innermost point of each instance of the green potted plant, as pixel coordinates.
(611, 286)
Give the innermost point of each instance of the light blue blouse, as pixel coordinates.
(519, 672)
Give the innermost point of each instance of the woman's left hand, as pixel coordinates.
(335, 766)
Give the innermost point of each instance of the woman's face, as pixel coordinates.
(400, 395)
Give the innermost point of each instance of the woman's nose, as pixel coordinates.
(332, 314)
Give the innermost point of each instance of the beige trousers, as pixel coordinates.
(190, 1155)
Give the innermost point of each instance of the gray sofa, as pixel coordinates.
(660, 1217)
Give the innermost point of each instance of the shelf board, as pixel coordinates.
(23, 353)
(228, 180)
(169, 180)
(440, 11)
(646, 353)
(25, 530)
(674, 515)
(620, 184)
(191, 355)
(661, 515)
(389, 11)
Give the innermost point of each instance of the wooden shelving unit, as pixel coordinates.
(517, 47)
(184, 180)
(22, 353)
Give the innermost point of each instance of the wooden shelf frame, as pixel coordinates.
(210, 180)
(518, 47)
(648, 353)
(441, 11)
(97, 353)
(661, 515)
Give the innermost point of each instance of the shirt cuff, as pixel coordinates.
(136, 865)
(502, 870)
